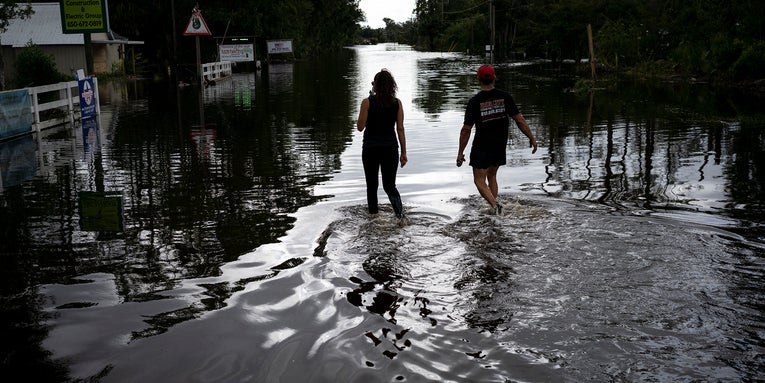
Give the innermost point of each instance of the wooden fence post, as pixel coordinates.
(592, 52)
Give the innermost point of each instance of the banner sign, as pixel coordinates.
(279, 46)
(237, 52)
(88, 100)
(83, 16)
(15, 113)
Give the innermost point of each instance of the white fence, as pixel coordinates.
(49, 105)
(216, 71)
(68, 98)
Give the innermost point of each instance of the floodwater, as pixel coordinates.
(631, 250)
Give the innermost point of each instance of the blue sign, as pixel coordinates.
(88, 101)
(15, 113)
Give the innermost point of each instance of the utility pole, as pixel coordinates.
(592, 52)
(491, 26)
(174, 61)
(88, 54)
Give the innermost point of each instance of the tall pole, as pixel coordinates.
(199, 63)
(491, 21)
(592, 52)
(2, 86)
(174, 61)
(88, 54)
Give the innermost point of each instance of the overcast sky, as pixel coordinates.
(396, 10)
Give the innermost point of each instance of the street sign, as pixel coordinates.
(197, 25)
(84, 16)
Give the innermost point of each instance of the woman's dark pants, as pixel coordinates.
(383, 160)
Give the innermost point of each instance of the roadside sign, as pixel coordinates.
(196, 25)
(236, 52)
(279, 46)
(84, 16)
(101, 211)
(88, 100)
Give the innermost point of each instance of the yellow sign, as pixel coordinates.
(84, 16)
(100, 211)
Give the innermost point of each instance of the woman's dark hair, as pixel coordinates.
(385, 87)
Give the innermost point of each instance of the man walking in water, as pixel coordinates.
(490, 111)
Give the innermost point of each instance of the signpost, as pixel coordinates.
(86, 17)
(197, 27)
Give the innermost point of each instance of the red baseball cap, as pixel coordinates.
(486, 72)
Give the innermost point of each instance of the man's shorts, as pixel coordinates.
(481, 159)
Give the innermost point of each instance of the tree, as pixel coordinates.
(429, 21)
(315, 26)
(10, 10)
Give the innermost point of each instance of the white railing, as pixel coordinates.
(68, 98)
(216, 71)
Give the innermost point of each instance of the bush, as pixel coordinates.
(724, 51)
(751, 63)
(35, 68)
(692, 57)
(617, 43)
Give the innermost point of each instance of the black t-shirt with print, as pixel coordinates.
(490, 112)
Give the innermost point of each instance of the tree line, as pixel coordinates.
(315, 26)
(717, 39)
(712, 38)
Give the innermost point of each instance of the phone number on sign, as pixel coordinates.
(83, 24)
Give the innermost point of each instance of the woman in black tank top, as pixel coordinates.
(381, 118)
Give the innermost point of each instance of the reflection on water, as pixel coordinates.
(631, 249)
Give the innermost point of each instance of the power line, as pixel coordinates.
(468, 9)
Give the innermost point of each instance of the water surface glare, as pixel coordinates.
(631, 248)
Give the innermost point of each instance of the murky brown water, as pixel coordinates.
(632, 249)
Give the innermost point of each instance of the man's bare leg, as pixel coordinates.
(480, 177)
(491, 176)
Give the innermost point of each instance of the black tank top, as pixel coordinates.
(381, 124)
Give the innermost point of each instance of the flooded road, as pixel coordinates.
(631, 249)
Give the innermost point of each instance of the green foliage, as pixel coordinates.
(692, 57)
(35, 68)
(11, 10)
(618, 43)
(583, 86)
(751, 63)
(118, 68)
(724, 50)
(707, 37)
(315, 26)
(455, 38)
(430, 23)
